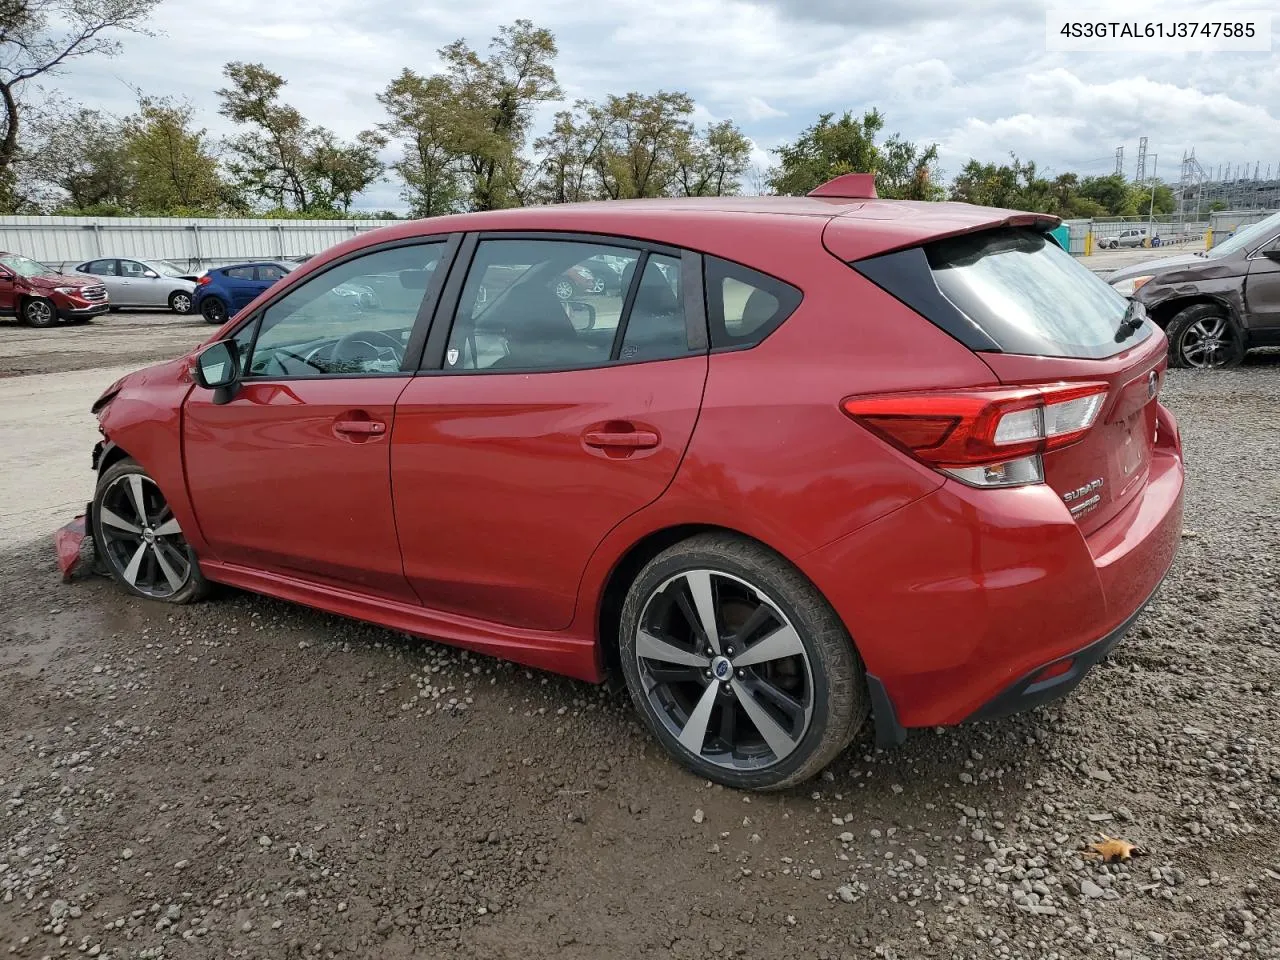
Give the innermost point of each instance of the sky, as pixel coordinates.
(974, 76)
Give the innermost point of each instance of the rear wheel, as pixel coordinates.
(180, 301)
(564, 289)
(1206, 337)
(213, 310)
(738, 665)
(139, 539)
(39, 312)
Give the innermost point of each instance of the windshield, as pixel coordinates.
(1031, 297)
(24, 267)
(167, 269)
(1247, 237)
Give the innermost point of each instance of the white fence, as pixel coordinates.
(188, 242)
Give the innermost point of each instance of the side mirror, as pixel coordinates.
(151, 275)
(217, 368)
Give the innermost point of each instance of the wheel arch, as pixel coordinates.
(1163, 312)
(629, 564)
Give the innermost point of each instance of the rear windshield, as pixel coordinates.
(1030, 296)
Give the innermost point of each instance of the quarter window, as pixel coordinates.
(352, 319)
(744, 306)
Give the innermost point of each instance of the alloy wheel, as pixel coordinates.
(724, 670)
(141, 538)
(564, 289)
(214, 311)
(1205, 343)
(39, 313)
(181, 303)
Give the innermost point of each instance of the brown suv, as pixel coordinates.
(1215, 305)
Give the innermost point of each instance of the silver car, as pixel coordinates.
(143, 283)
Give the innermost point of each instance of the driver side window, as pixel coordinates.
(350, 320)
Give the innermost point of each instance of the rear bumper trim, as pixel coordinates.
(1026, 693)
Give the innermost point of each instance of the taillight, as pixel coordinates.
(203, 280)
(983, 437)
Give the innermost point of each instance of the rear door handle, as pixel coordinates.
(625, 440)
(364, 428)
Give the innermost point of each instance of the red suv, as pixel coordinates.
(41, 297)
(821, 458)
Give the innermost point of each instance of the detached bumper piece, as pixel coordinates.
(1056, 679)
(74, 546)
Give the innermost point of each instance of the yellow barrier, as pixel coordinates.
(1208, 239)
(1088, 244)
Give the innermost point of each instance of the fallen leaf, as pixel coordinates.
(1112, 850)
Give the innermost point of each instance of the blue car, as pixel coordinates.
(223, 291)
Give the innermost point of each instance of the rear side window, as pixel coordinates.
(743, 305)
(102, 268)
(1031, 296)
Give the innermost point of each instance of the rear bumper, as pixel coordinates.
(962, 603)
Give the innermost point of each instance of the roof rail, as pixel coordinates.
(849, 186)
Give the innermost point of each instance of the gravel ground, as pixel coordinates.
(246, 778)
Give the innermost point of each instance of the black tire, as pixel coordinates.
(39, 312)
(836, 695)
(153, 557)
(180, 302)
(1205, 336)
(213, 310)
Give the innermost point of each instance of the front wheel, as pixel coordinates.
(213, 310)
(180, 302)
(139, 539)
(39, 312)
(738, 665)
(1206, 337)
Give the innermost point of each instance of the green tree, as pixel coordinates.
(174, 169)
(40, 37)
(645, 136)
(75, 173)
(830, 148)
(569, 151)
(424, 120)
(282, 160)
(713, 164)
(338, 171)
(495, 98)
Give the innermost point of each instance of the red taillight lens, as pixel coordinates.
(958, 430)
(203, 280)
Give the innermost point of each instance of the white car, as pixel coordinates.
(143, 283)
(1134, 237)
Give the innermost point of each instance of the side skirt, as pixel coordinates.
(555, 652)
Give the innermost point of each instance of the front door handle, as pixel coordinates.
(361, 428)
(621, 440)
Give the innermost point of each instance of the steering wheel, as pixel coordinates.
(348, 349)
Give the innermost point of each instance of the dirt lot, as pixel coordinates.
(244, 778)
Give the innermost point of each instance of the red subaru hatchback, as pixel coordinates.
(816, 459)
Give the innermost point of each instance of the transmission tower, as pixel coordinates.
(1120, 160)
(1141, 176)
